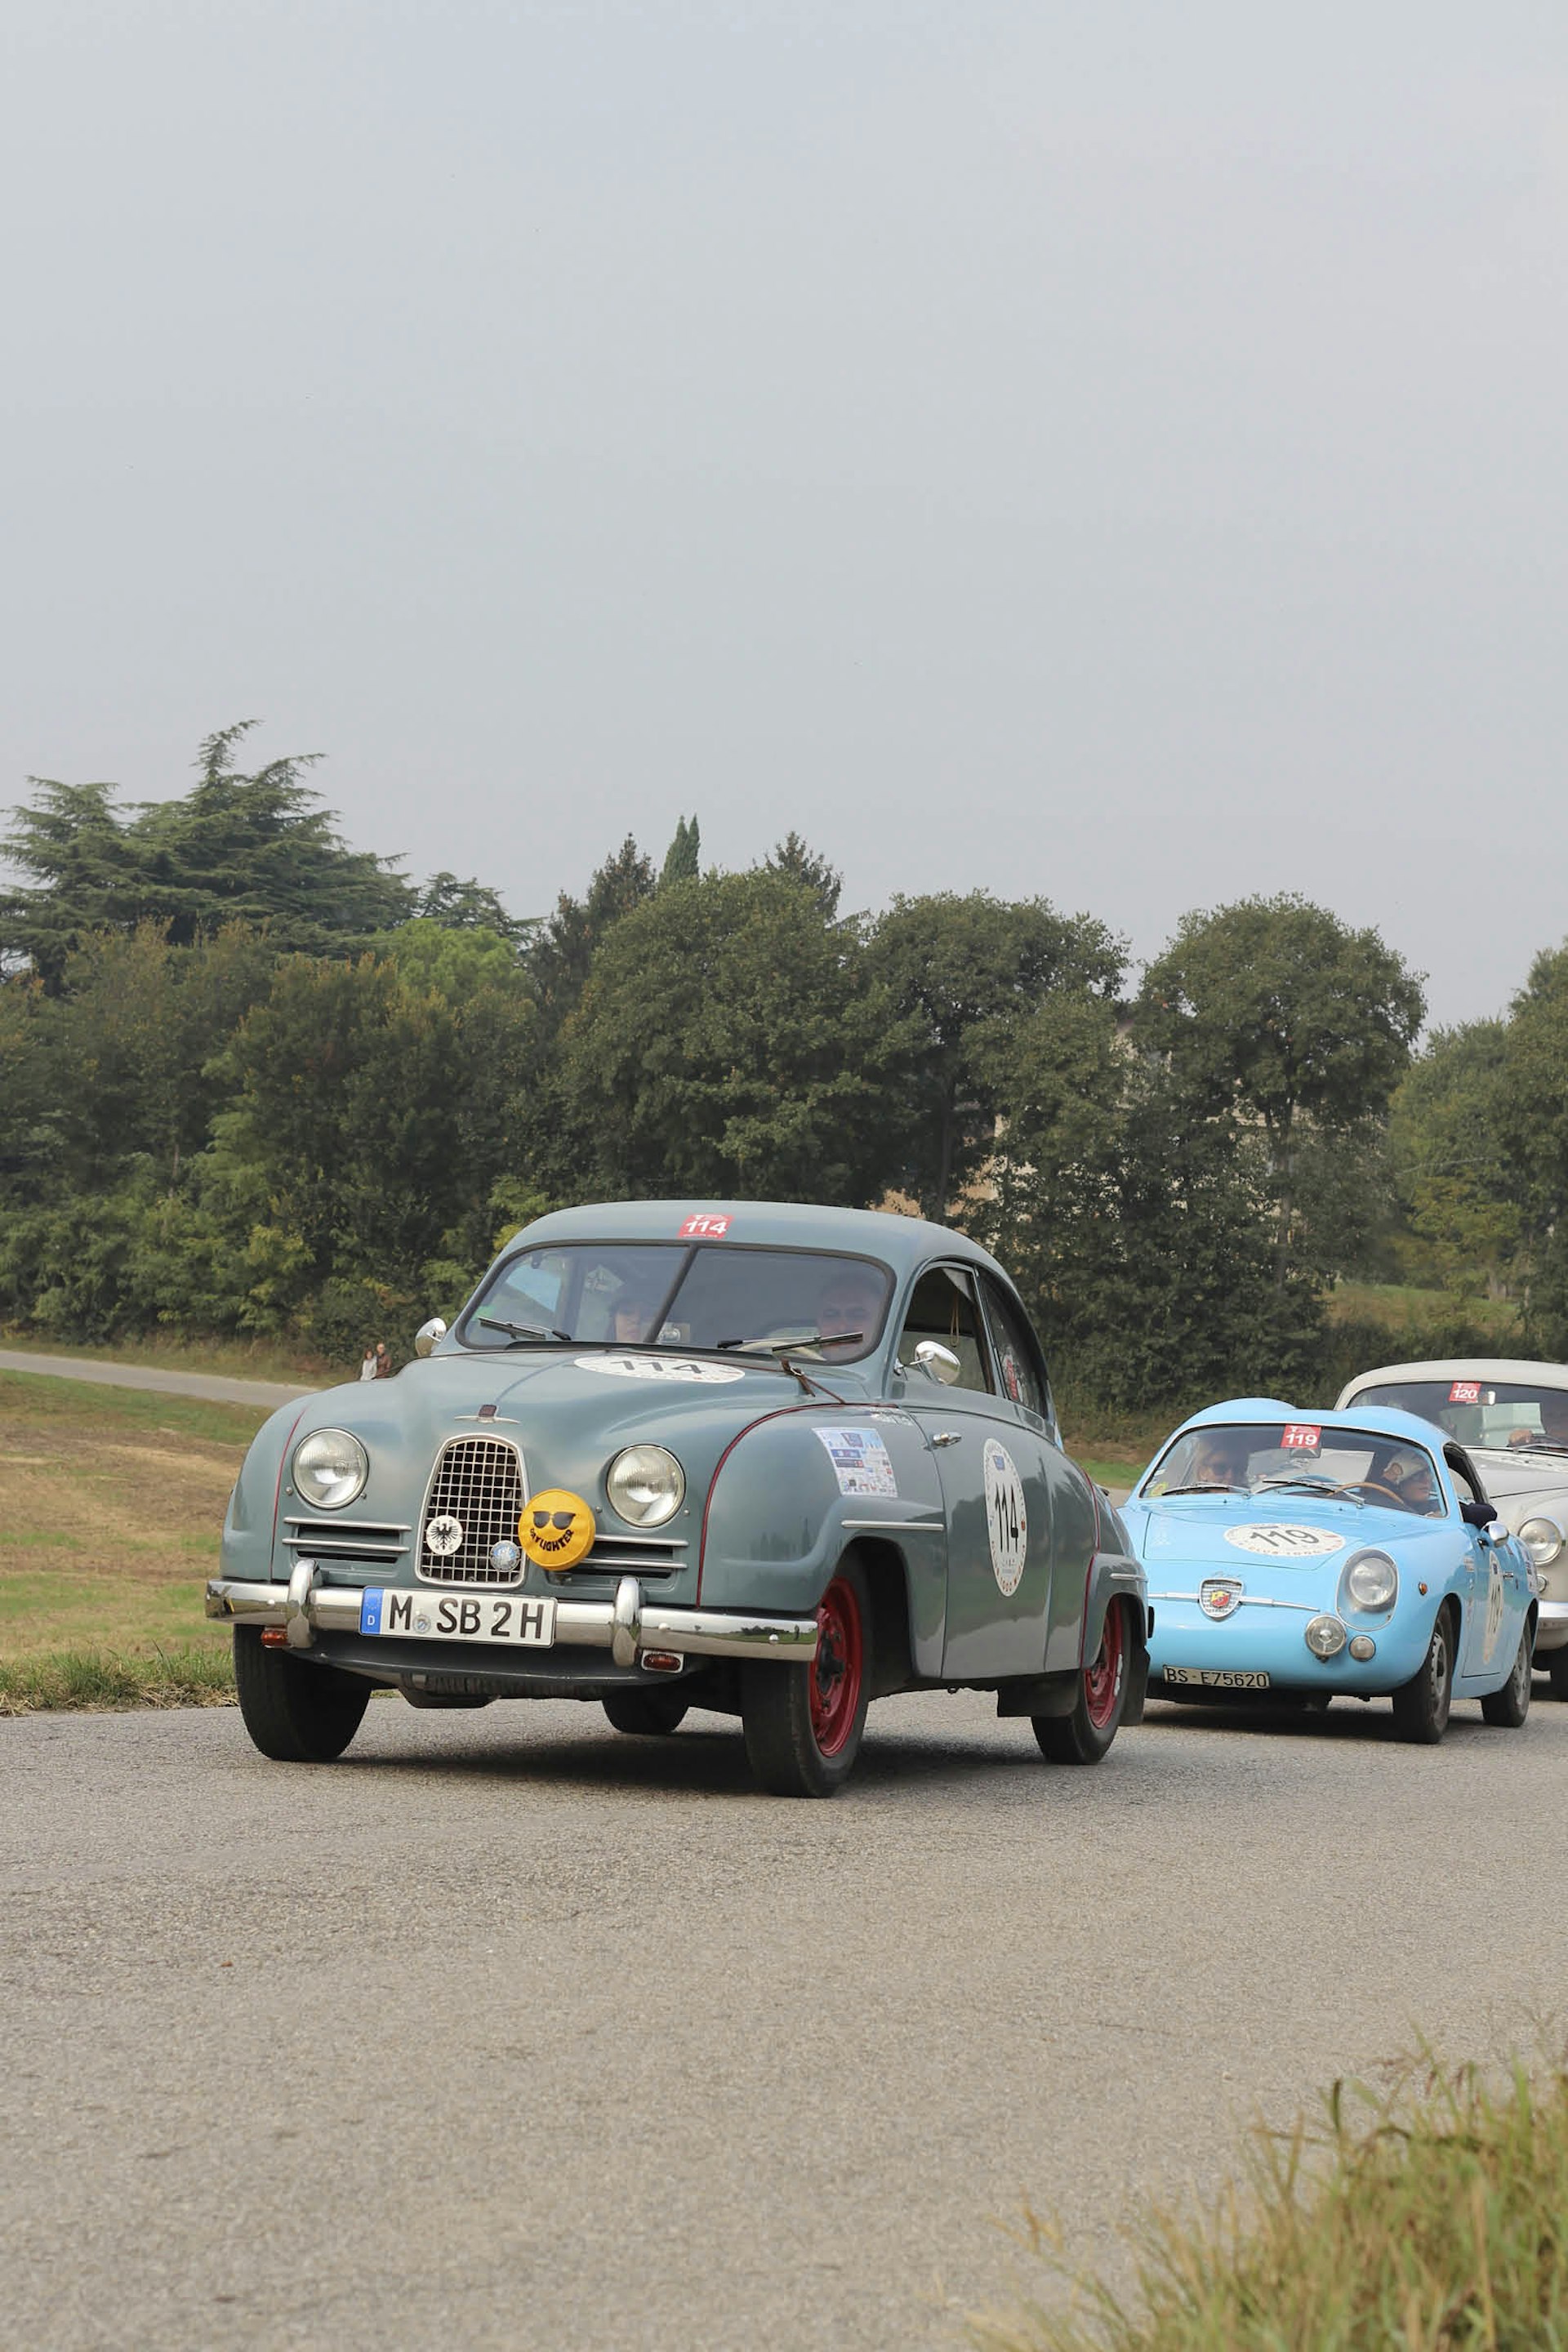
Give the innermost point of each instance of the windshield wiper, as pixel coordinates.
(519, 1331)
(1204, 1486)
(797, 1340)
(1530, 1445)
(1312, 1487)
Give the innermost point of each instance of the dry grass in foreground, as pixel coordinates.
(110, 1508)
(1428, 2215)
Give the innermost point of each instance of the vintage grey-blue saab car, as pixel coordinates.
(771, 1460)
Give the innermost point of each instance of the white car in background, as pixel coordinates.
(1511, 1418)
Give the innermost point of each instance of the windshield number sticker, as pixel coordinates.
(1006, 1521)
(1301, 1437)
(1465, 1392)
(704, 1229)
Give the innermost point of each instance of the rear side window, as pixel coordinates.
(1017, 1360)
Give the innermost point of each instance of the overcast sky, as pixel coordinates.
(1110, 450)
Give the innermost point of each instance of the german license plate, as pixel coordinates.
(461, 1614)
(1217, 1678)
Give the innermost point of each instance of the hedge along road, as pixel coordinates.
(508, 2032)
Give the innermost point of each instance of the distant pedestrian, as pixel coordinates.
(383, 1361)
(367, 1361)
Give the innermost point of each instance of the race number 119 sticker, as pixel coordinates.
(1006, 1522)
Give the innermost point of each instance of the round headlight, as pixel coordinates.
(1372, 1582)
(1325, 1637)
(646, 1485)
(1542, 1540)
(329, 1468)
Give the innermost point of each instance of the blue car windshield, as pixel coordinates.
(672, 1294)
(1299, 1458)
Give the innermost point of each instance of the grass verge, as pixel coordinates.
(95, 1680)
(110, 1508)
(1427, 2214)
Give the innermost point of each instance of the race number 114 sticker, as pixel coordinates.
(1006, 1522)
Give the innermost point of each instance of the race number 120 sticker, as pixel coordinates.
(1006, 1522)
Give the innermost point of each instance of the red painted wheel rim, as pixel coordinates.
(1103, 1681)
(839, 1668)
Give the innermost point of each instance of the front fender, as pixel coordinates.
(250, 1522)
(784, 1504)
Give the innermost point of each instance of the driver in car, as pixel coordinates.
(850, 1309)
(1219, 1458)
(1553, 1411)
(1408, 1478)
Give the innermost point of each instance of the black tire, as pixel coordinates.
(1508, 1706)
(785, 1708)
(647, 1714)
(1084, 1737)
(1557, 1667)
(297, 1713)
(1421, 1705)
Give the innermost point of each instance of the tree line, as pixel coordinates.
(253, 1080)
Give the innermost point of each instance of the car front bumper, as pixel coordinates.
(625, 1626)
(1551, 1626)
(1265, 1636)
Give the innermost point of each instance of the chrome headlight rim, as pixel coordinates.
(1331, 1632)
(658, 1472)
(1380, 1600)
(1543, 1540)
(307, 1476)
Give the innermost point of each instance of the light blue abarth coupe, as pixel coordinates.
(768, 1459)
(1296, 1556)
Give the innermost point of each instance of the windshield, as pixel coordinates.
(1298, 1458)
(1496, 1413)
(669, 1295)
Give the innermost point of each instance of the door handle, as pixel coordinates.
(945, 1436)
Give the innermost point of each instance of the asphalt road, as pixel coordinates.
(264, 1394)
(508, 2032)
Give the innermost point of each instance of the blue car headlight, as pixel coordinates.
(1372, 1582)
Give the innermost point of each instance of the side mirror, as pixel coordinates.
(425, 1338)
(1494, 1533)
(938, 1363)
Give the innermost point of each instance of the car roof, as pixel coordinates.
(902, 1242)
(1463, 1368)
(1356, 1421)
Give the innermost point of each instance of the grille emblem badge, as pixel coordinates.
(505, 1555)
(444, 1535)
(1217, 1597)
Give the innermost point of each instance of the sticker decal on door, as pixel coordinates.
(1494, 1607)
(1006, 1522)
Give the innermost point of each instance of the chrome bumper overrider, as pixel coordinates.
(624, 1626)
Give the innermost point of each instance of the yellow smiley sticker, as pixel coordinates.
(556, 1529)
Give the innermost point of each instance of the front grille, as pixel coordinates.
(369, 1541)
(478, 1482)
(636, 1556)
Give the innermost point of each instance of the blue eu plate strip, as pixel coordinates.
(370, 1611)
